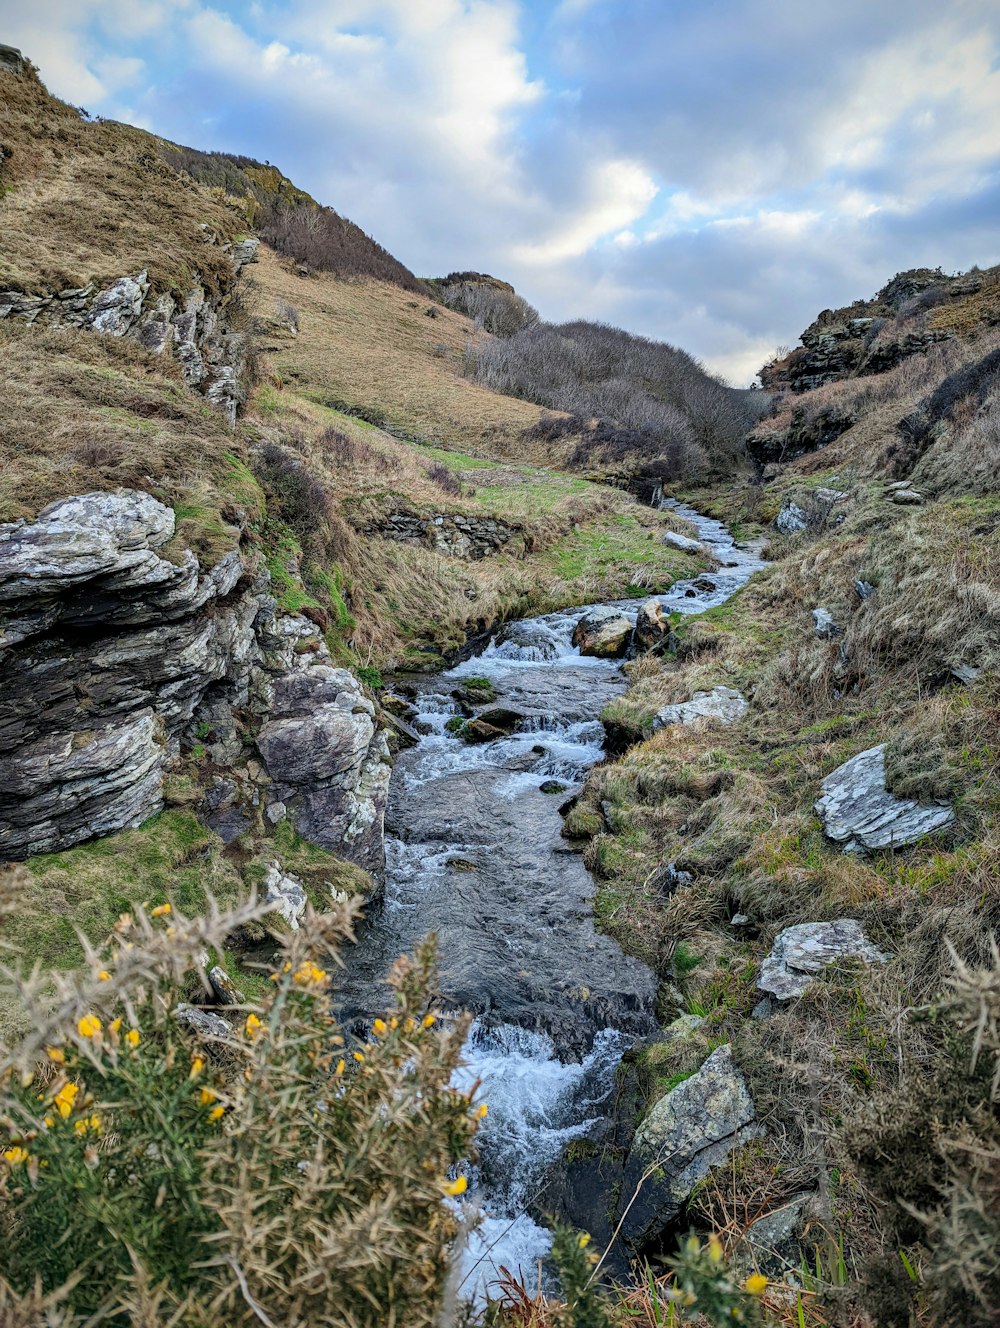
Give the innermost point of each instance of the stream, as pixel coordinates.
(474, 853)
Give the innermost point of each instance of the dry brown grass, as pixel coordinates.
(86, 201)
(84, 412)
(371, 345)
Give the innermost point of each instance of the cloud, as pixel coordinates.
(712, 172)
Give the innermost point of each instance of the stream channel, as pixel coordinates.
(474, 853)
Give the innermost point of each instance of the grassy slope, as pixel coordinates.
(735, 808)
(87, 412)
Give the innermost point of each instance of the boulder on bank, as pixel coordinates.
(677, 541)
(800, 953)
(603, 632)
(724, 704)
(688, 1132)
(859, 812)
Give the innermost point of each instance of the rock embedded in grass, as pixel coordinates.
(724, 704)
(800, 954)
(859, 812)
(677, 541)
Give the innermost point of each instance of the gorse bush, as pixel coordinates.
(272, 1170)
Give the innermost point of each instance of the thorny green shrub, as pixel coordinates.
(277, 1172)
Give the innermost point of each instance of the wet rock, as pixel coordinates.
(688, 1132)
(471, 694)
(724, 704)
(501, 717)
(477, 730)
(532, 639)
(677, 541)
(824, 625)
(603, 632)
(864, 589)
(286, 894)
(800, 953)
(405, 734)
(552, 786)
(398, 706)
(858, 811)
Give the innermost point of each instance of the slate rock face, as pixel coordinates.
(858, 811)
(724, 704)
(688, 1132)
(603, 632)
(800, 953)
(109, 652)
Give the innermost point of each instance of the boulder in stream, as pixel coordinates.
(652, 625)
(603, 632)
(677, 541)
(859, 812)
(688, 1132)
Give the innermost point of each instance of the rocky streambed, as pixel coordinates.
(475, 854)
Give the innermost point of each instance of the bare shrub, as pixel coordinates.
(492, 305)
(327, 242)
(339, 448)
(298, 496)
(445, 478)
(645, 399)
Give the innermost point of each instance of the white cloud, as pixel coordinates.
(619, 193)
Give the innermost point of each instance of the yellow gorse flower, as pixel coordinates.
(715, 1249)
(217, 1113)
(197, 1065)
(89, 1026)
(359, 1057)
(104, 976)
(161, 911)
(380, 1028)
(456, 1187)
(92, 1123)
(206, 1097)
(65, 1099)
(583, 1240)
(15, 1156)
(133, 1037)
(56, 1054)
(341, 1066)
(116, 1025)
(252, 1026)
(310, 975)
(429, 1019)
(482, 1111)
(756, 1284)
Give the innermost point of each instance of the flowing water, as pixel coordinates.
(474, 853)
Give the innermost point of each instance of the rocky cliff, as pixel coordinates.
(118, 648)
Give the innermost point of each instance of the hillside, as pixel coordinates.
(260, 487)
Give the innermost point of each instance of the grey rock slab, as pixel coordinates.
(859, 812)
(688, 1132)
(203, 1022)
(225, 989)
(800, 953)
(724, 704)
(677, 541)
(824, 625)
(652, 624)
(791, 519)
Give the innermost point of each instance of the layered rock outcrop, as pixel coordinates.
(858, 811)
(114, 642)
(195, 329)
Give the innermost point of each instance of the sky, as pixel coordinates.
(711, 173)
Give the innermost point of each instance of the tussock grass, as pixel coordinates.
(83, 201)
